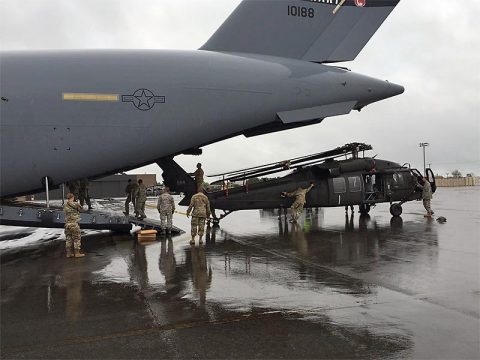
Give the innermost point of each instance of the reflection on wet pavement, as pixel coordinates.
(335, 285)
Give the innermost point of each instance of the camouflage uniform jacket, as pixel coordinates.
(198, 176)
(427, 191)
(165, 203)
(130, 189)
(299, 194)
(72, 213)
(141, 193)
(200, 206)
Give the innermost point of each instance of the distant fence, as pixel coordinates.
(454, 182)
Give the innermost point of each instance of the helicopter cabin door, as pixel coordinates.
(431, 179)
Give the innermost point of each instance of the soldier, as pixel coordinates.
(73, 187)
(140, 199)
(166, 208)
(130, 192)
(297, 206)
(201, 211)
(134, 198)
(199, 177)
(72, 229)
(424, 184)
(83, 194)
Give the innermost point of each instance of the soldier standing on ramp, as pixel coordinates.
(297, 206)
(83, 194)
(130, 192)
(166, 208)
(140, 199)
(72, 229)
(201, 211)
(73, 187)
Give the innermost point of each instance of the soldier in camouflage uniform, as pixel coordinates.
(199, 175)
(426, 195)
(140, 199)
(130, 192)
(72, 229)
(83, 194)
(297, 206)
(201, 211)
(166, 208)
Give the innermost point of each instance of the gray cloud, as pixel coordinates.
(430, 47)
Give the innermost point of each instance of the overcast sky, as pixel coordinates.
(430, 47)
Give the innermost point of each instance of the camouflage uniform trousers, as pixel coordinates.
(72, 237)
(296, 208)
(426, 205)
(84, 197)
(166, 217)
(130, 199)
(140, 207)
(198, 225)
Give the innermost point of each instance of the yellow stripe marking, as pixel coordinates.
(338, 7)
(90, 97)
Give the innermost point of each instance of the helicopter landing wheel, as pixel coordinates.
(396, 209)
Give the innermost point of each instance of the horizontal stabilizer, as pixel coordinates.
(317, 112)
(310, 30)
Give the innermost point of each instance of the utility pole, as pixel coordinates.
(424, 145)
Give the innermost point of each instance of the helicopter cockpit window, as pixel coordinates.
(398, 179)
(355, 184)
(339, 185)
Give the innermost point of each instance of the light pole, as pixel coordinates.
(424, 145)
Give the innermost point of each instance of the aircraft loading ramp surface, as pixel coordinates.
(106, 216)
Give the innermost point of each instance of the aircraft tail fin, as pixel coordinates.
(311, 30)
(176, 178)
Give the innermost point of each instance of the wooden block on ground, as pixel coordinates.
(147, 235)
(148, 232)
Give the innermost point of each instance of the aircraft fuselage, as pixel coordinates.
(76, 114)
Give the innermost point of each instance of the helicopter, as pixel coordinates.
(341, 177)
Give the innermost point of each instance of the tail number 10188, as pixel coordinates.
(301, 11)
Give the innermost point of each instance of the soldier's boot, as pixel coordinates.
(78, 254)
(200, 241)
(192, 242)
(69, 254)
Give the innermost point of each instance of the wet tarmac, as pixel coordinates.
(334, 286)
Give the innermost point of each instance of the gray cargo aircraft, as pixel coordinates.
(82, 114)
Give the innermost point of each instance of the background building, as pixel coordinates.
(112, 186)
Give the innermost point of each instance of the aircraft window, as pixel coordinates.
(355, 184)
(398, 179)
(339, 186)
